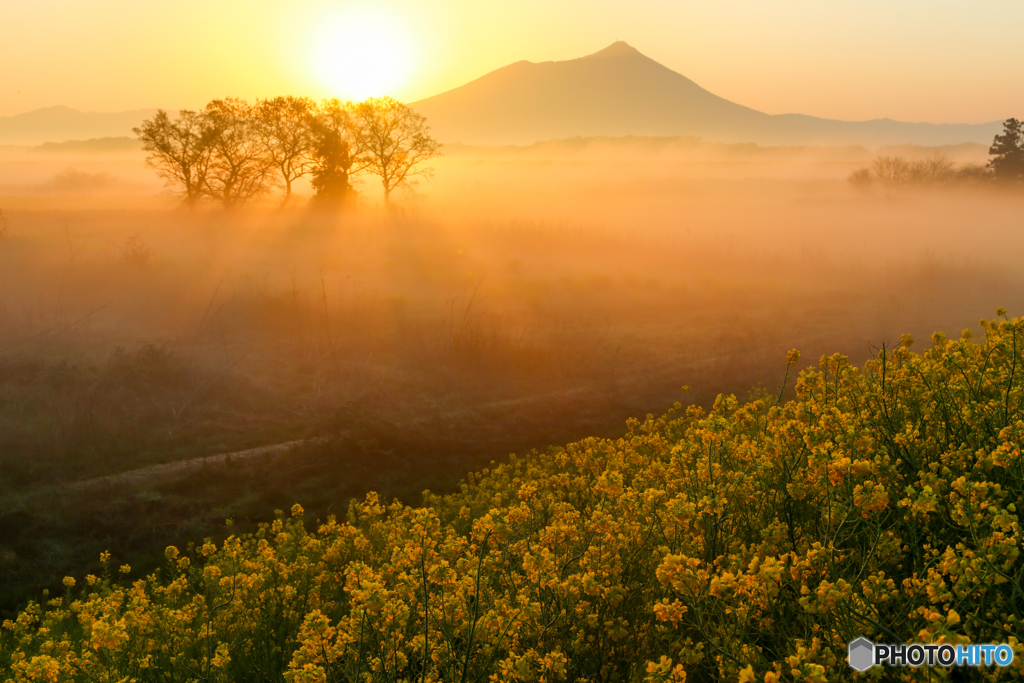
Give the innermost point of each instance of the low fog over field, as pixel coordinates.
(524, 296)
(593, 263)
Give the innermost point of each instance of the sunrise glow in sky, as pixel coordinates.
(915, 60)
(361, 51)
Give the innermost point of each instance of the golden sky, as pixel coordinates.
(914, 60)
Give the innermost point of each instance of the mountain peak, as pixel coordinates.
(619, 91)
(617, 49)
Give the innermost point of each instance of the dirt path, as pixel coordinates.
(145, 475)
(148, 475)
(181, 468)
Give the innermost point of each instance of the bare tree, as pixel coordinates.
(937, 168)
(240, 167)
(284, 124)
(394, 141)
(892, 170)
(179, 150)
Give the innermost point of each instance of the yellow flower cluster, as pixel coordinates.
(745, 543)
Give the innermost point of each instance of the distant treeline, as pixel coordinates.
(897, 170)
(233, 151)
(1006, 165)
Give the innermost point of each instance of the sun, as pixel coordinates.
(362, 53)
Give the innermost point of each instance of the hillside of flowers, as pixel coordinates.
(743, 543)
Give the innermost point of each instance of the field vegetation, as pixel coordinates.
(751, 541)
(525, 297)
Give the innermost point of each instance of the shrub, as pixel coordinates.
(935, 169)
(135, 252)
(892, 170)
(895, 170)
(748, 540)
(861, 178)
(973, 173)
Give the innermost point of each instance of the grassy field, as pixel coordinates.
(749, 541)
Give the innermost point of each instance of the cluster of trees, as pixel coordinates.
(233, 151)
(897, 170)
(1007, 164)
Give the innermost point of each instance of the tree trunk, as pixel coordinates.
(287, 191)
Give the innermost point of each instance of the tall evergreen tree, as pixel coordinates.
(1007, 148)
(335, 153)
(331, 172)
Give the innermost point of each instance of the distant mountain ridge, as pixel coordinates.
(618, 91)
(59, 124)
(612, 93)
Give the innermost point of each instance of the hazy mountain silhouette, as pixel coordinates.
(614, 92)
(619, 91)
(57, 124)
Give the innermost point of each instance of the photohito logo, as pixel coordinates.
(862, 654)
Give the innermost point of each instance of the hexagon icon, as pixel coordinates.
(861, 654)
